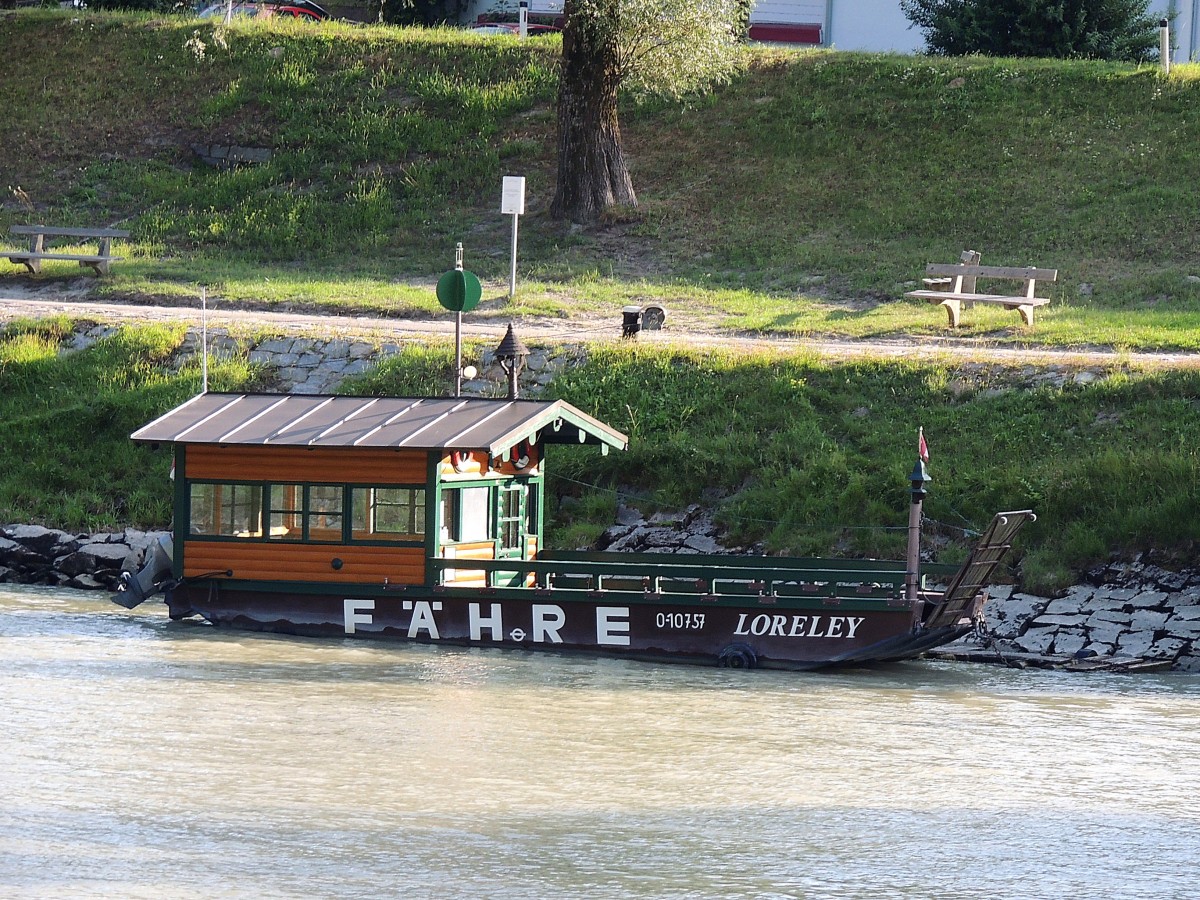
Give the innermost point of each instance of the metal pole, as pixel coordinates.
(204, 339)
(512, 274)
(458, 354)
(1164, 46)
(1193, 33)
(458, 265)
(919, 478)
(914, 549)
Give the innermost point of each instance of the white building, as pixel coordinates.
(876, 25)
(879, 25)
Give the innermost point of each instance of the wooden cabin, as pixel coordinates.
(361, 490)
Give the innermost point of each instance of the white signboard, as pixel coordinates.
(512, 195)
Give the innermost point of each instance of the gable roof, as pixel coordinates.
(428, 423)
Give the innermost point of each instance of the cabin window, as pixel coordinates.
(306, 512)
(287, 512)
(227, 510)
(387, 513)
(323, 512)
(465, 515)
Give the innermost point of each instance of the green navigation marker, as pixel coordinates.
(459, 291)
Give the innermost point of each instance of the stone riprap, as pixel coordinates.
(32, 554)
(690, 531)
(1133, 610)
(307, 365)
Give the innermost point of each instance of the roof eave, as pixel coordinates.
(561, 423)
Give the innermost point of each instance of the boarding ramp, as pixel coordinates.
(958, 601)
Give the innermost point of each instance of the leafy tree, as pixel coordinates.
(1095, 29)
(663, 47)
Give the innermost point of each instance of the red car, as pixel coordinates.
(297, 9)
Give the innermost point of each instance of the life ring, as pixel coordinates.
(521, 455)
(737, 656)
(460, 459)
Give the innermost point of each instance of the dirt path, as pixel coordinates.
(24, 303)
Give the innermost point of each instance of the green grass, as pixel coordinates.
(811, 457)
(65, 420)
(801, 198)
(804, 455)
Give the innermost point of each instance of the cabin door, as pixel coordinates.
(512, 526)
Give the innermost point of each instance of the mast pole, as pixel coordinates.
(919, 478)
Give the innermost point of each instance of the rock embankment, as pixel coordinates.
(32, 554)
(311, 365)
(690, 531)
(1135, 610)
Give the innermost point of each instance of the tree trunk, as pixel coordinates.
(592, 176)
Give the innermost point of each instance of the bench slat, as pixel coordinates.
(18, 255)
(1002, 299)
(69, 232)
(1015, 272)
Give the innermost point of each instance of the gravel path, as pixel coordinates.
(34, 303)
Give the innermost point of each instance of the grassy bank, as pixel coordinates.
(65, 419)
(807, 456)
(800, 198)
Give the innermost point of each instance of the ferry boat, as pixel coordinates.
(421, 519)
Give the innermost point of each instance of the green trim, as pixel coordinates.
(182, 509)
(592, 430)
(736, 576)
(538, 492)
(433, 509)
(563, 595)
(279, 542)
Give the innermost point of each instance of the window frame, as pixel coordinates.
(416, 504)
(255, 500)
(262, 492)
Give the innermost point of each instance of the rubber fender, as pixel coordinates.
(737, 656)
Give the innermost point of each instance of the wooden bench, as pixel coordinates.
(32, 258)
(951, 285)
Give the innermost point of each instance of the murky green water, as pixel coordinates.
(144, 758)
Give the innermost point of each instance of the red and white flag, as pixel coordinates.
(922, 447)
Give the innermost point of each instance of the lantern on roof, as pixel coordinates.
(511, 356)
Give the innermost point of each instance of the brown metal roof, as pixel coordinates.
(430, 423)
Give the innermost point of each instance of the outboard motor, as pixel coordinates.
(136, 588)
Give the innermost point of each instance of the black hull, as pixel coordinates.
(776, 634)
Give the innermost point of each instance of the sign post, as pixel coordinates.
(458, 291)
(203, 339)
(512, 202)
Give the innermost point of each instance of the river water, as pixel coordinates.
(145, 758)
